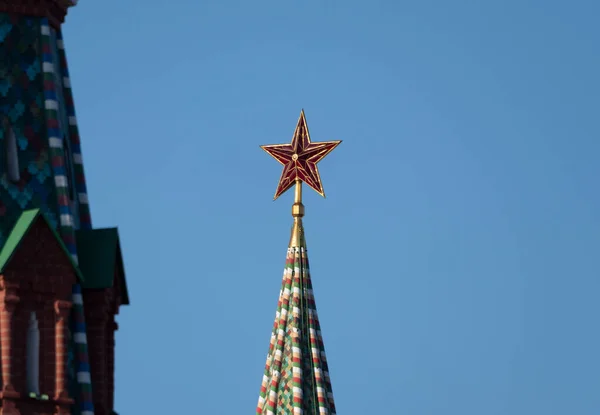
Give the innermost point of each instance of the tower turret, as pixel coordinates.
(45, 296)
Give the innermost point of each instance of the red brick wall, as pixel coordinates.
(99, 318)
(38, 278)
(110, 348)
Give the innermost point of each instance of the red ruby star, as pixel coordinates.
(300, 159)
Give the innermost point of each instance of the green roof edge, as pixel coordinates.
(18, 232)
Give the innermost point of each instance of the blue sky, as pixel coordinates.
(455, 260)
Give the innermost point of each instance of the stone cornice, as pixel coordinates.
(54, 10)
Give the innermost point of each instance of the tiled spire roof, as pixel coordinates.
(296, 379)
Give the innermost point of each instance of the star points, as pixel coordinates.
(300, 158)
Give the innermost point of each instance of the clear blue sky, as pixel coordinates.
(455, 260)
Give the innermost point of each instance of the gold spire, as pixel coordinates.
(297, 238)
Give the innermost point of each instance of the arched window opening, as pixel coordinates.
(11, 152)
(33, 356)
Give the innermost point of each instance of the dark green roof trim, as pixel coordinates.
(99, 253)
(20, 230)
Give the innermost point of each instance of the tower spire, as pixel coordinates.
(296, 378)
(46, 232)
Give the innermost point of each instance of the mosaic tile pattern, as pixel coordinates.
(82, 363)
(55, 119)
(296, 378)
(85, 219)
(73, 387)
(22, 101)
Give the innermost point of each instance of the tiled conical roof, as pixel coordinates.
(296, 379)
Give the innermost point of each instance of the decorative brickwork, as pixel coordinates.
(296, 379)
(22, 101)
(81, 359)
(56, 120)
(84, 215)
(42, 286)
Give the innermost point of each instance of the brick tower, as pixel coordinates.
(296, 378)
(61, 281)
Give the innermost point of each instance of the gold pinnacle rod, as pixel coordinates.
(298, 193)
(297, 238)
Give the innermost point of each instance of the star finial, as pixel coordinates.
(300, 158)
